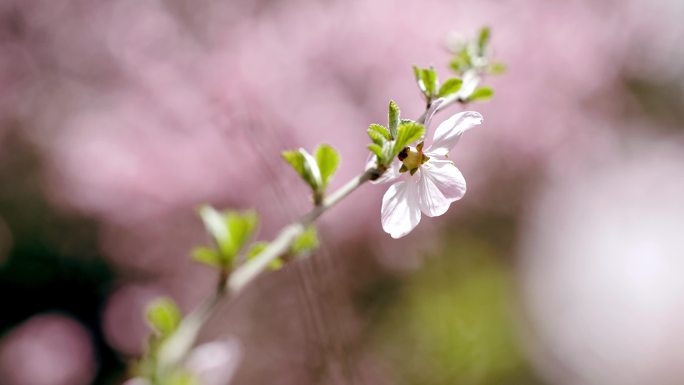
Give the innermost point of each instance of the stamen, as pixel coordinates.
(403, 154)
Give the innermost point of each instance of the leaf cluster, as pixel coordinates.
(229, 230)
(303, 245)
(474, 55)
(163, 315)
(429, 84)
(389, 141)
(165, 318)
(317, 170)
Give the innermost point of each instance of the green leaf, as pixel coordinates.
(481, 94)
(419, 78)
(257, 248)
(327, 160)
(388, 152)
(276, 264)
(230, 230)
(207, 256)
(163, 315)
(393, 118)
(379, 130)
(296, 160)
(377, 150)
(483, 40)
(240, 227)
(449, 87)
(497, 68)
(409, 132)
(376, 137)
(461, 62)
(429, 77)
(214, 223)
(305, 165)
(306, 243)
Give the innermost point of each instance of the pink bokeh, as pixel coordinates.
(48, 349)
(600, 262)
(142, 110)
(123, 322)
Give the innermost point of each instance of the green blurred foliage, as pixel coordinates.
(316, 170)
(481, 94)
(306, 243)
(257, 248)
(164, 316)
(327, 160)
(452, 322)
(230, 231)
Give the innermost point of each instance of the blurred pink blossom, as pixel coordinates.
(142, 110)
(123, 318)
(215, 362)
(49, 349)
(601, 263)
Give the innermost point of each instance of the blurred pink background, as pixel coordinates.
(123, 116)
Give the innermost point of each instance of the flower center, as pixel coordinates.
(412, 158)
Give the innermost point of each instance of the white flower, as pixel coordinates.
(215, 363)
(432, 181)
(212, 363)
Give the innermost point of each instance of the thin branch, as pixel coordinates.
(180, 344)
(282, 243)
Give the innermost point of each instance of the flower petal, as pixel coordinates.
(449, 131)
(391, 174)
(400, 212)
(434, 106)
(215, 363)
(440, 184)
